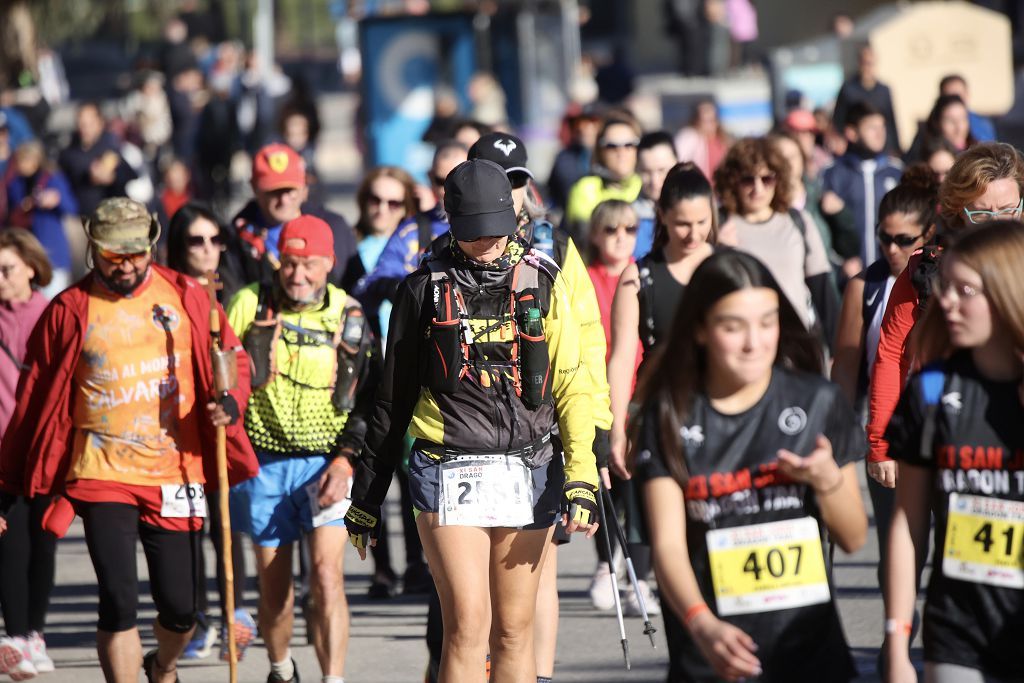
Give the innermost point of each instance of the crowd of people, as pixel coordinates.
(704, 333)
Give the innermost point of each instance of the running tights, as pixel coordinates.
(27, 555)
(111, 531)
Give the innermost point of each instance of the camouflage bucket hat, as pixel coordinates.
(123, 226)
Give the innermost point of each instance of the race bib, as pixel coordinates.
(183, 500)
(486, 491)
(767, 567)
(984, 541)
(331, 513)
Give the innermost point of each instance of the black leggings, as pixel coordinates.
(111, 530)
(27, 557)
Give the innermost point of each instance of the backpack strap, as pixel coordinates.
(424, 230)
(801, 226)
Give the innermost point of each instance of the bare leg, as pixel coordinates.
(277, 599)
(517, 558)
(545, 627)
(459, 558)
(120, 655)
(170, 645)
(327, 587)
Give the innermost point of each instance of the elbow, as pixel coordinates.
(854, 537)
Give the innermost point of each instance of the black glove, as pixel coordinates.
(602, 447)
(362, 523)
(230, 406)
(580, 502)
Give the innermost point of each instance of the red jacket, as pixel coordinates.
(35, 453)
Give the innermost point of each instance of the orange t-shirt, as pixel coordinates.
(134, 407)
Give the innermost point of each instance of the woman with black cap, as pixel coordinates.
(482, 355)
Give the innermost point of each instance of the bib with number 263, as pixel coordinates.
(985, 541)
(486, 491)
(183, 500)
(767, 567)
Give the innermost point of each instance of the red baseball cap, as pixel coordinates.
(277, 167)
(801, 121)
(306, 236)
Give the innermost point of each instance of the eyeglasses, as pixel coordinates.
(981, 216)
(767, 180)
(116, 259)
(632, 144)
(392, 204)
(197, 241)
(962, 290)
(901, 241)
(614, 230)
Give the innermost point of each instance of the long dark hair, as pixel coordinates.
(177, 232)
(684, 181)
(678, 370)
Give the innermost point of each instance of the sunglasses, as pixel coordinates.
(116, 259)
(632, 144)
(392, 204)
(901, 241)
(196, 241)
(614, 230)
(767, 180)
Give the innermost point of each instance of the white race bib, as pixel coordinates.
(985, 541)
(330, 513)
(767, 567)
(183, 500)
(486, 491)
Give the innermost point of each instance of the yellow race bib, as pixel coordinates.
(767, 567)
(985, 541)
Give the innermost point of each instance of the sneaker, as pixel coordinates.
(631, 606)
(203, 640)
(15, 660)
(417, 580)
(603, 587)
(37, 653)
(274, 678)
(245, 634)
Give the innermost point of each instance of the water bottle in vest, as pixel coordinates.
(533, 358)
(349, 360)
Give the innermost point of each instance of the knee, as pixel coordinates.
(276, 599)
(469, 630)
(507, 638)
(177, 621)
(117, 610)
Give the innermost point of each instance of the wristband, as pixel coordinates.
(893, 626)
(694, 612)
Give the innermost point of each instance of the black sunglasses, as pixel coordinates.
(196, 241)
(619, 145)
(766, 180)
(393, 204)
(612, 229)
(901, 241)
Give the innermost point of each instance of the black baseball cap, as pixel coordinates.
(507, 151)
(478, 201)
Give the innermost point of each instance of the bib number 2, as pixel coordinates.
(766, 567)
(183, 500)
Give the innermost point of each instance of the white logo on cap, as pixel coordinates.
(505, 146)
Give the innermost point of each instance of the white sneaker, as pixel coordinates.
(14, 659)
(631, 606)
(603, 587)
(37, 653)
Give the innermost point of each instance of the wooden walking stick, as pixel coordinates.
(225, 378)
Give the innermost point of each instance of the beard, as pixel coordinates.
(125, 286)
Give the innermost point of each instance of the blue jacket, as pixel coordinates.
(46, 224)
(401, 256)
(862, 190)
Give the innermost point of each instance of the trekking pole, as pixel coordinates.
(225, 378)
(615, 584)
(649, 629)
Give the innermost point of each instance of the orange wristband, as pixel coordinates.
(694, 612)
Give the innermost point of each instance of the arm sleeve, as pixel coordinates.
(593, 345)
(570, 387)
(891, 368)
(397, 394)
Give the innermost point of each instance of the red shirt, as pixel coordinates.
(604, 286)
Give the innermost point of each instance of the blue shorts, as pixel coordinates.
(273, 507)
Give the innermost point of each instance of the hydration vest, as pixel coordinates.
(504, 345)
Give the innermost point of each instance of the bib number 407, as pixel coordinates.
(774, 562)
